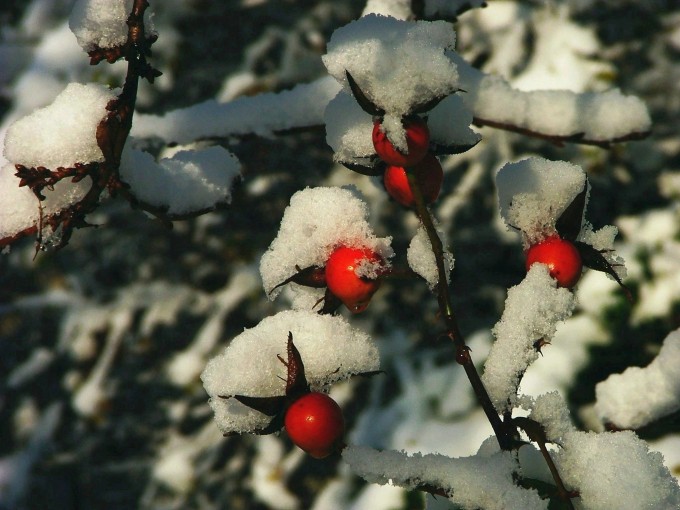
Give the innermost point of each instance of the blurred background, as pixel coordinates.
(102, 343)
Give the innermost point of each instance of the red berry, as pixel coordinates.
(314, 422)
(428, 173)
(417, 141)
(561, 257)
(353, 290)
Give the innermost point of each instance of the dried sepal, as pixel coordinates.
(362, 99)
(372, 166)
(569, 223)
(441, 149)
(312, 276)
(594, 259)
(330, 303)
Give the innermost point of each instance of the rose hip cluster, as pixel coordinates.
(416, 159)
(424, 166)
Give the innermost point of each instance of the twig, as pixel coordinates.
(560, 140)
(446, 309)
(536, 433)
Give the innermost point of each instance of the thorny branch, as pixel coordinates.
(111, 134)
(446, 309)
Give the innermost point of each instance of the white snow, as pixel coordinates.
(405, 66)
(640, 395)
(262, 115)
(330, 348)
(616, 470)
(480, 481)
(421, 258)
(532, 310)
(534, 192)
(189, 181)
(103, 23)
(317, 221)
(399, 9)
(348, 129)
(396, 63)
(551, 411)
(63, 133)
(598, 116)
(449, 123)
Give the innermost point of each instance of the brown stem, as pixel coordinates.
(564, 494)
(558, 139)
(446, 309)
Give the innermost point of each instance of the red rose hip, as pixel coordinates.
(417, 141)
(561, 257)
(429, 175)
(353, 290)
(314, 422)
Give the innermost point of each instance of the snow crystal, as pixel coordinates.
(421, 258)
(317, 221)
(330, 348)
(639, 396)
(20, 208)
(63, 133)
(396, 63)
(616, 470)
(103, 23)
(478, 481)
(534, 192)
(532, 310)
(190, 181)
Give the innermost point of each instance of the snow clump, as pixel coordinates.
(103, 23)
(532, 310)
(397, 64)
(420, 258)
(534, 192)
(62, 133)
(188, 182)
(330, 348)
(480, 481)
